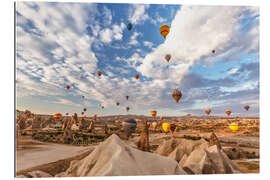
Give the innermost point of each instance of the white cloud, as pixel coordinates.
(137, 13)
(106, 35)
(195, 32)
(148, 44)
(232, 71)
(133, 38)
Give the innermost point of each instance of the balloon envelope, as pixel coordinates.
(172, 128)
(246, 107)
(129, 126)
(228, 112)
(153, 113)
(234, 126)
(67, 86)
(117, 104)
(168, 57)
(84, 109)
(57, 116)
(129, 26)
(127, 97)
(164, 30)
(207, 111)
(176, 95)
(127, 108)
(99, 73)
(137, 76)
(154, 125)
(166, 127)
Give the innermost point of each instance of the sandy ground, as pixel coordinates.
(32, 153)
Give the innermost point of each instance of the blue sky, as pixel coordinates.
(59, 44)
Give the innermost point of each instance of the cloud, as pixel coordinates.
(107, 35)
(133, 38)
(137, 14)
(232, 71)
(195, 32)
(148, 44)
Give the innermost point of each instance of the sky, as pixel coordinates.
(60, 44)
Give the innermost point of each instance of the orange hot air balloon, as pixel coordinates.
(137, 76)
(246, 107)
(168, 57)
(127, 108)
(176, 95)
(207, 111)
(57, 116)
(68, 87)
(127, 97)
(153, 113)
(117, 104)
(164, 30)
(172, 128)
(228, 112)
(99, 73)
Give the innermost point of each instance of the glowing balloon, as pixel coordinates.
(234, 127)
(154, 125)
(176, 95)
(164, 30)
(165, 127)
(57, 116)
(153, 113)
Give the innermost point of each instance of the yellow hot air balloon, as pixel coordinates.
(176, 95)
(153, 113)
(166, 127)
(207, 111)
(234, 127)
(164, 30)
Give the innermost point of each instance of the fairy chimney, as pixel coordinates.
(143, 143)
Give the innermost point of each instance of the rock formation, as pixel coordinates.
(214, 140)
(114, 157)
(143, 143)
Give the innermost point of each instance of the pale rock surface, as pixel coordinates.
(114, 157)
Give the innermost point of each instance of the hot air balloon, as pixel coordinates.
(129, 126)
(117, 104)
(246, 107)
(213, 51)
(83, 97)
(84, 109)
(57, 116)
(66, 114)
(154, 124)
(164, 30)
(127, 97)
(176, 95)
(168, 57)
(137, 76)
(127, 108)
(129, 26)
(102, 107)
(153, 113)
(149, 125)
(82, 113)
(99, 73)
(207, 111)
(234, 127)
(67, 87)
(228, 112)
(165, 127)
(172, 128)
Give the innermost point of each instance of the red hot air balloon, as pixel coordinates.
(228, 112)
(82, 113)
(172, 128)
(99, 73)
(57, 116)
(68, 87)
(246, 107)
(137, 76)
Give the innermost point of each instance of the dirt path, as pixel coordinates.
(32, 153)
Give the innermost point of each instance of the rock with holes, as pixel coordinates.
(114, 157)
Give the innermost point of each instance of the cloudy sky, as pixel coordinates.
(60, 44)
